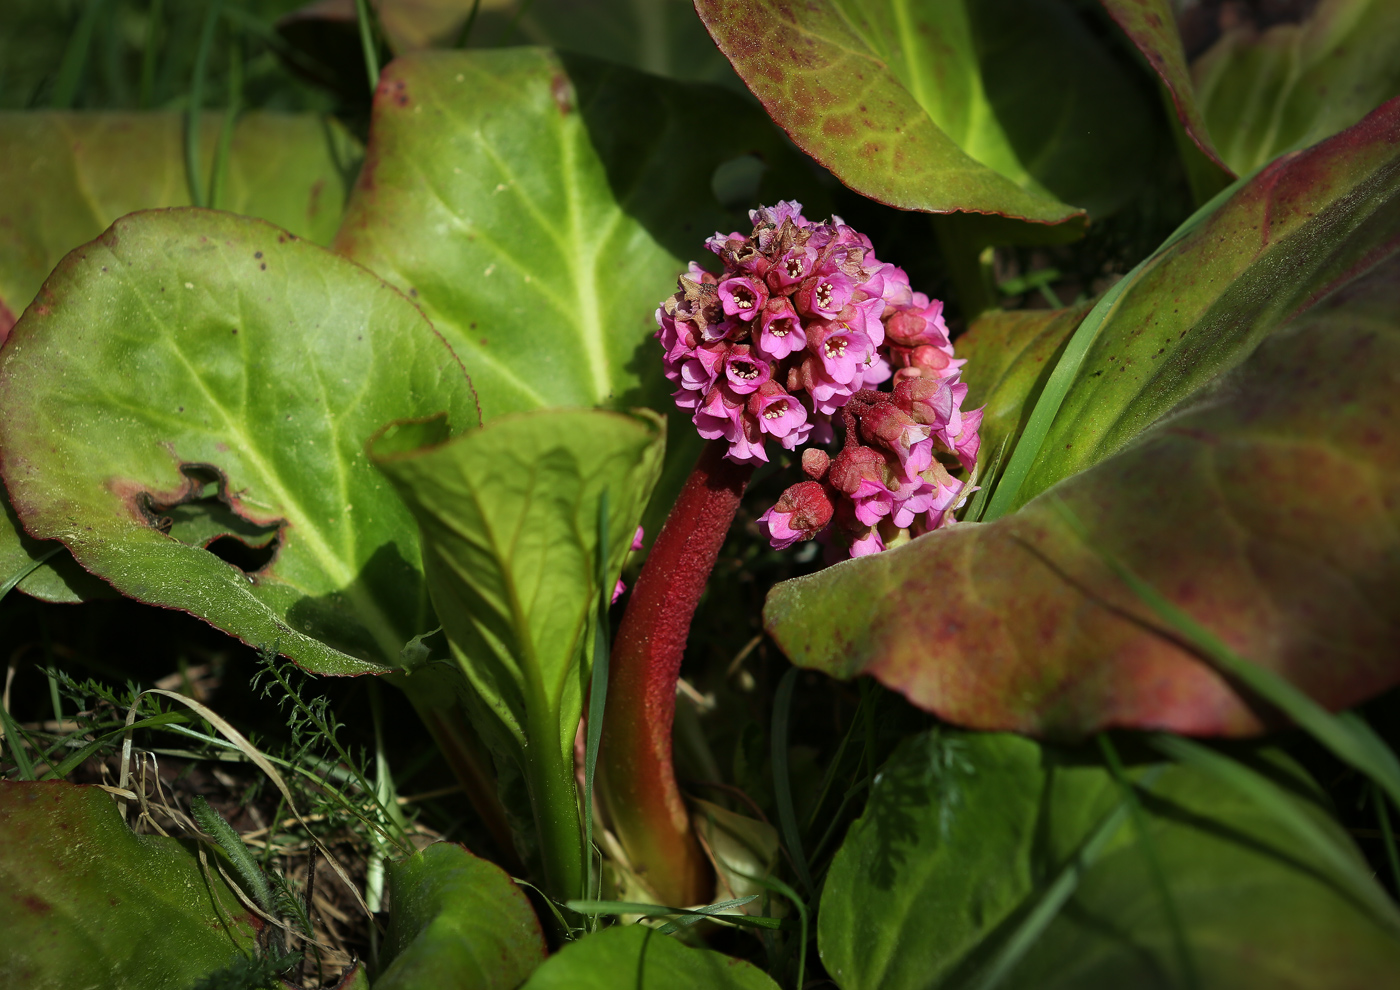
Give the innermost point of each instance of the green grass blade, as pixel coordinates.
(1061, 889)
(10, 582)
(1383, 817)
(75, 57)
(218, 174)
(362, 17)
(244, 865)
(196, 103)
(1027, 449)
(464, 35)
(72, 761)
(598, 688)
(1264, 792)
(1349, 738)
(1154, 865)
(154, 16)
(782, 781)
(16, 738)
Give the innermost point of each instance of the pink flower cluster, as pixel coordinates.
(798, 331)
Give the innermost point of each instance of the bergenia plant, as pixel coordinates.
(980, 571)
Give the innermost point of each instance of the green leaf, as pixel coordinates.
(57, 576)
(88, 904)
(457, 923)
(1009, 107)
(1263, 92)
(1010, 355)
(965, 835)
(1304, 225)
(1262, 509)
(538, 208)
(189, 354)
(65, 177)
(635, 956)
(509, 516)
(1151, 26)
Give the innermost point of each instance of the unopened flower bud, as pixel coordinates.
(815, 461)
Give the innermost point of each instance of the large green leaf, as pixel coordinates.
(457, 923)
(64, 177)
(538, 207)
(86, 903)
(1294, 84)
(964, 834)
(638, 958)
(198, 359)
(1305, 224)
(1009, 107)
(509, 516)
(57, 578)
(1266, 508)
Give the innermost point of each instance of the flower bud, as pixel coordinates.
(815, 462)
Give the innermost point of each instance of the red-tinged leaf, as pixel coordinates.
(1151, 26)
(946, 106)
(1266, 508)
(1309, 222)
(86, 903)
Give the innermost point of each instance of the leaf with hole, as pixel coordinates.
(964, 834)
(456, 921)
(220, 369)
(88, 903)
(944, 106)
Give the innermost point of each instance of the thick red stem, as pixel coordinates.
(638, 781)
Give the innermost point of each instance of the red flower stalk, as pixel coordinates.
(636, 779)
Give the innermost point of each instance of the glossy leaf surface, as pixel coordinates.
(64, 177)
(1263, 92)
(943, 106)
(58, 579)
(1151, 26)
(87, 903)
(1265, 508)
(965, 832)
(457, 923)
(1302, 226)
(196, 358)
(639, 958)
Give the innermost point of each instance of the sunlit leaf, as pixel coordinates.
(965, 832)
(538, 207)
(192, 358)
(457, 923)
(89, 904)
(1011, 108)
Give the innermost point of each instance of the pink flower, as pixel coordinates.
(867, 543)
(718, 416)
(800, 513)
(824, 295)
(967, 442)
(916, 325)
(743, 296)
(844, 353)
(777, 413)
(897, 432)
(781, 332)
(745, 371)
